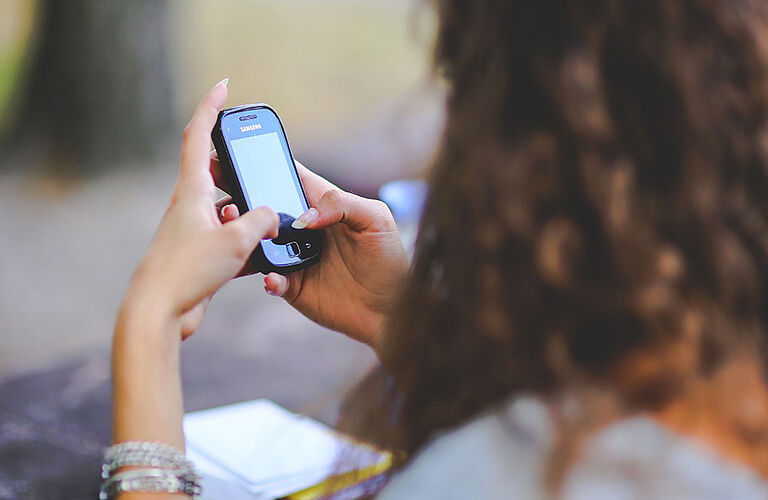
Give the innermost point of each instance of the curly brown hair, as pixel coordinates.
(597, 213)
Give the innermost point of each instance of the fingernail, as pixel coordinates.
(270, 292)
(306, 219)
(224, 82)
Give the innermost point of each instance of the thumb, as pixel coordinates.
(337, 206)
(244, 233)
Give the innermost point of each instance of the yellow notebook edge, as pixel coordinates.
(338, 482)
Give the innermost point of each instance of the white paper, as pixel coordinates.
(263, 450)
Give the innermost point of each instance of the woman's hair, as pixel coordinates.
(598, 208)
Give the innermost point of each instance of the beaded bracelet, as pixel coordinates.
(149, 480)
(134, 453)
(160, 468)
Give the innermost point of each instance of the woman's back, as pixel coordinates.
(505, 454)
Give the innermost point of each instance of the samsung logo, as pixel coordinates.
(248, 128)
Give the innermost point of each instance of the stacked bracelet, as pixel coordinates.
(156, 480)
(159, 468)
(133, 454)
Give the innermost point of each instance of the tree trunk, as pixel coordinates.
(100, 84)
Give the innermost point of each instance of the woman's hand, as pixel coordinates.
(193, 254)
(194, 251)
(353, 286)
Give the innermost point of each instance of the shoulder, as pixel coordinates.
(639, 458)
(485, 458)
(505, 453)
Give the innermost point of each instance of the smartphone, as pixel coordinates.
(257, 163)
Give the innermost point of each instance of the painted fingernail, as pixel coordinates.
(224, 82)
(306, 219)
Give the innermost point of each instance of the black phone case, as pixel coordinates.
(258, 259)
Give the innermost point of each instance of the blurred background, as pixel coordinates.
(93, 97)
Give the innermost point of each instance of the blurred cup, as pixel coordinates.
(405, 199)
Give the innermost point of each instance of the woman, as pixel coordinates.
(587, 310)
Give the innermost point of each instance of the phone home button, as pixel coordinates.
(293, 249)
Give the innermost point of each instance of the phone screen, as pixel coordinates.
(265, 169)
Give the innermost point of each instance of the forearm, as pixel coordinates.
(147, 397)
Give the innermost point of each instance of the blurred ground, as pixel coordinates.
(351, 82)
(54, 424)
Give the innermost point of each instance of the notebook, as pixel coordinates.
(258, 450)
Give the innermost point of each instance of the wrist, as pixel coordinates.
(370, 330)
(152, 289)
(150, 295)
(148, 318)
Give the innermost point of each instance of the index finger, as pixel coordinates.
(194, 173)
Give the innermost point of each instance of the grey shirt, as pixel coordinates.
(504, 454)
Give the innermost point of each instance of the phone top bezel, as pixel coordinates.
(249, 107)
(233, 180)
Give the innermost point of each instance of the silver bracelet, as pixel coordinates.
(163, 468)
(148, 454)
(149, 480)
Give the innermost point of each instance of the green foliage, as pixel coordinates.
(16, 34)
(10, 68)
